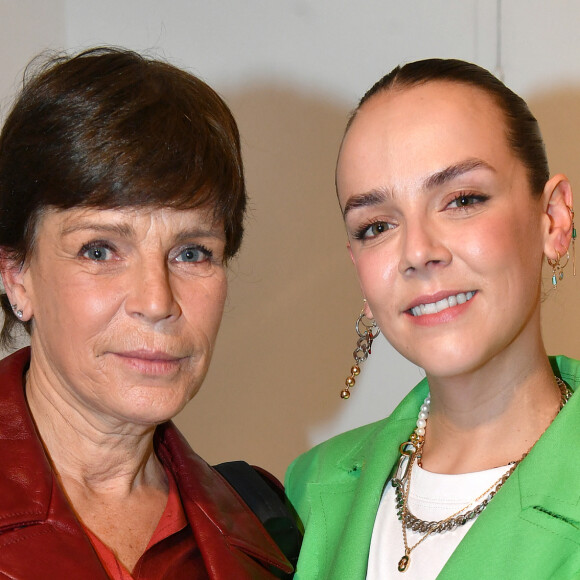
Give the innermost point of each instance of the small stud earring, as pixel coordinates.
(18, 312)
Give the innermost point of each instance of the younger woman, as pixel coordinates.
(450, 211)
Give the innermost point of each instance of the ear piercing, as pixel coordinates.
(18, 312)
(367, 330)
(558, 268)
(573, 241)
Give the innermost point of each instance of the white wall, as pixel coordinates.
(291, 71)
(26, 28)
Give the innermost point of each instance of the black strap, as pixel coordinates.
(263, 496)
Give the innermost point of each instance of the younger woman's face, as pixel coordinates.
(445, 234)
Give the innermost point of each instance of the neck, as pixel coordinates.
(90, 451)
(490, 417)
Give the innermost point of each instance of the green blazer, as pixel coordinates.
(531, 529)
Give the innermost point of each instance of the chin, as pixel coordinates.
(155, 408)
(447, 362)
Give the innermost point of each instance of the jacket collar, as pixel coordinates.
(26, 477)
(557, 451)
(542, 494)
(212, 505)
(356, 489)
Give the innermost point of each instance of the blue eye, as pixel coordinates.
(98, 253)
(193, 255)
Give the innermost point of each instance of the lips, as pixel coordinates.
(148, 355)
(150, 363)
(442, 304)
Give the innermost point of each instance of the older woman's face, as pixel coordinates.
(126, 306)
(439, 213)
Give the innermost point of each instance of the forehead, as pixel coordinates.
(407, 134)
(130, 221)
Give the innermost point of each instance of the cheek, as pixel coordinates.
(84, 307)
(203, 306)
(500, 244)
(215, 309)
(377, 272)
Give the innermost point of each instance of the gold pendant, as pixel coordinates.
(403, 563)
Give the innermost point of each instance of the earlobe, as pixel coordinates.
(13, 274)
(367, 310)
(558, 203)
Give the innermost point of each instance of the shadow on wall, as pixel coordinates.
(287, 336)
(558, 112)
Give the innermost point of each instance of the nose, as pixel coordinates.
(151, 295)
(423, 248)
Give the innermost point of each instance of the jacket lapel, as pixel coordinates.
(228, 534)
(345, 509)
(25, 479)
(531, 529)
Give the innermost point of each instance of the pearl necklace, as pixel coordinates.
(412, 450)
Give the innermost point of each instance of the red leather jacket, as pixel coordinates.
(40, 537)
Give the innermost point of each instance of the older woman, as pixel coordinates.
(449, 208)
(121, 200)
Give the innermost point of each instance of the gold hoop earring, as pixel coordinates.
(367, 331)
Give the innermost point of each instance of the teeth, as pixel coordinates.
(434, 307)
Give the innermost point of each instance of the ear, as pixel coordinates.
(366, 307)
(13, 278)
(558, 203)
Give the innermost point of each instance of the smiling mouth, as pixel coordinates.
(440, 305)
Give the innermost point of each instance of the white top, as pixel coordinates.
(433, 497)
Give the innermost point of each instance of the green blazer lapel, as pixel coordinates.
(359, 505)
(531, 529)
(349, 500)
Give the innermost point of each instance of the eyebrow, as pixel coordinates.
(369, 198)
(127, 231)
(377, 196)
(449, 173)
(123, 230)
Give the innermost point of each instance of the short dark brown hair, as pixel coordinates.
(523, 132)
(110, 128)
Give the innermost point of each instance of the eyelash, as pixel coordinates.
(96, 244)
(361, 233)
(102, 244)
(197, 248)
(474, 199)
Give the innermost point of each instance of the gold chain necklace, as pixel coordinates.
(402, 486)
(456, 519)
